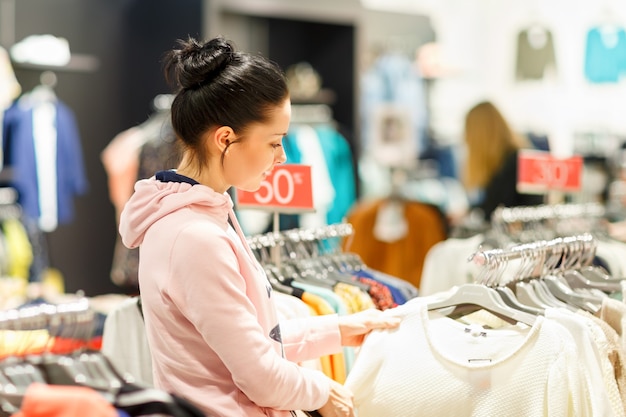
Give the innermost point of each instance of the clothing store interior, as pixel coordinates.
(506, 262)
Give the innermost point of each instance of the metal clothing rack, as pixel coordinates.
(532, 223)
(74, 321)
(537, 258)
(295, 243)
(544, 212)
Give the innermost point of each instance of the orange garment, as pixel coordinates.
(333, 366)
(403, 258)
(120, 159)
(43, 400)
(37, 342)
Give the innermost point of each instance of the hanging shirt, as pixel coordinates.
(124, 341)
(535, 53)
(393, 79)
(605, 54)
(404, 257)
(323, 189)
(338, 157)
(603, 392)
(42, 147)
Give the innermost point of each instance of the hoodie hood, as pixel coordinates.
(154, 199)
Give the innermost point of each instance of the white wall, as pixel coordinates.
(478, 40)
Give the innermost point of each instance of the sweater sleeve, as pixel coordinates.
(209, 289)
(311, 337)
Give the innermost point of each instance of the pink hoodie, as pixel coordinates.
(210, 319)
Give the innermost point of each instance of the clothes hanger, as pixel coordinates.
(547, 297)
(559, 288)
(548, 262)
(78, 365)
(591, 276)
(16, 373)
(299, 265)
(512, 299)
(560, 255)
(509, 297)
(468, 298)
(526, 294)
(103, 375)
(259, 247)
(524, 297)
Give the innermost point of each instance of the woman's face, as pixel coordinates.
(250, 161)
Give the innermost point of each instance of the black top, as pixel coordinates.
(502, 189)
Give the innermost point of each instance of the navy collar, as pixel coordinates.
(172, 176)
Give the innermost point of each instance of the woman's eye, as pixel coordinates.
(276, 145)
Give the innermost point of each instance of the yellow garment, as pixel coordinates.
(20, 251)
(355, 298)
(344, 291)
(333, 366)
(12, 293)
(358, 299)
(53, 280)
(21, 342)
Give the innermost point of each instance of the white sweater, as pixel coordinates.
(434, 366)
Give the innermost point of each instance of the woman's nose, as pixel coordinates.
(281, 158)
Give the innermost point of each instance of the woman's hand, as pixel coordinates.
(340, 403)
(354, 327)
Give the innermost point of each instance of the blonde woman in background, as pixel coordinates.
(491, 165)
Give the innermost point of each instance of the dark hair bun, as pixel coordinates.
(196, 63)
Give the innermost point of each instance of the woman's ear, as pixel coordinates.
(222, 137)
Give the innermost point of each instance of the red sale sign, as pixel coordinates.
(287, 189)
(539, 172)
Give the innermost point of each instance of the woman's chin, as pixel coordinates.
(251, 188)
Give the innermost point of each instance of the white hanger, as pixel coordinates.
(478, 296)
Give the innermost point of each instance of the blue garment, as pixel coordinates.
(338, 158)
(19, 155)
(171, 175)
(290, 145)
(339, 163)
(396, 294)
(393, 79)
(605, 55)
(408, 290)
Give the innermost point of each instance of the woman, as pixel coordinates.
(210, 319)
(491, 165)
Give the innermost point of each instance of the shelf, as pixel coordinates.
(78, 63)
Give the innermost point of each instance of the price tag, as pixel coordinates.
(539, 172)
(287, 189)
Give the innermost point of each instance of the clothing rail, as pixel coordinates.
(534, 223)
(546, 212)
(295, 242)
(272, 239)
(74, 321)
(536, 258)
